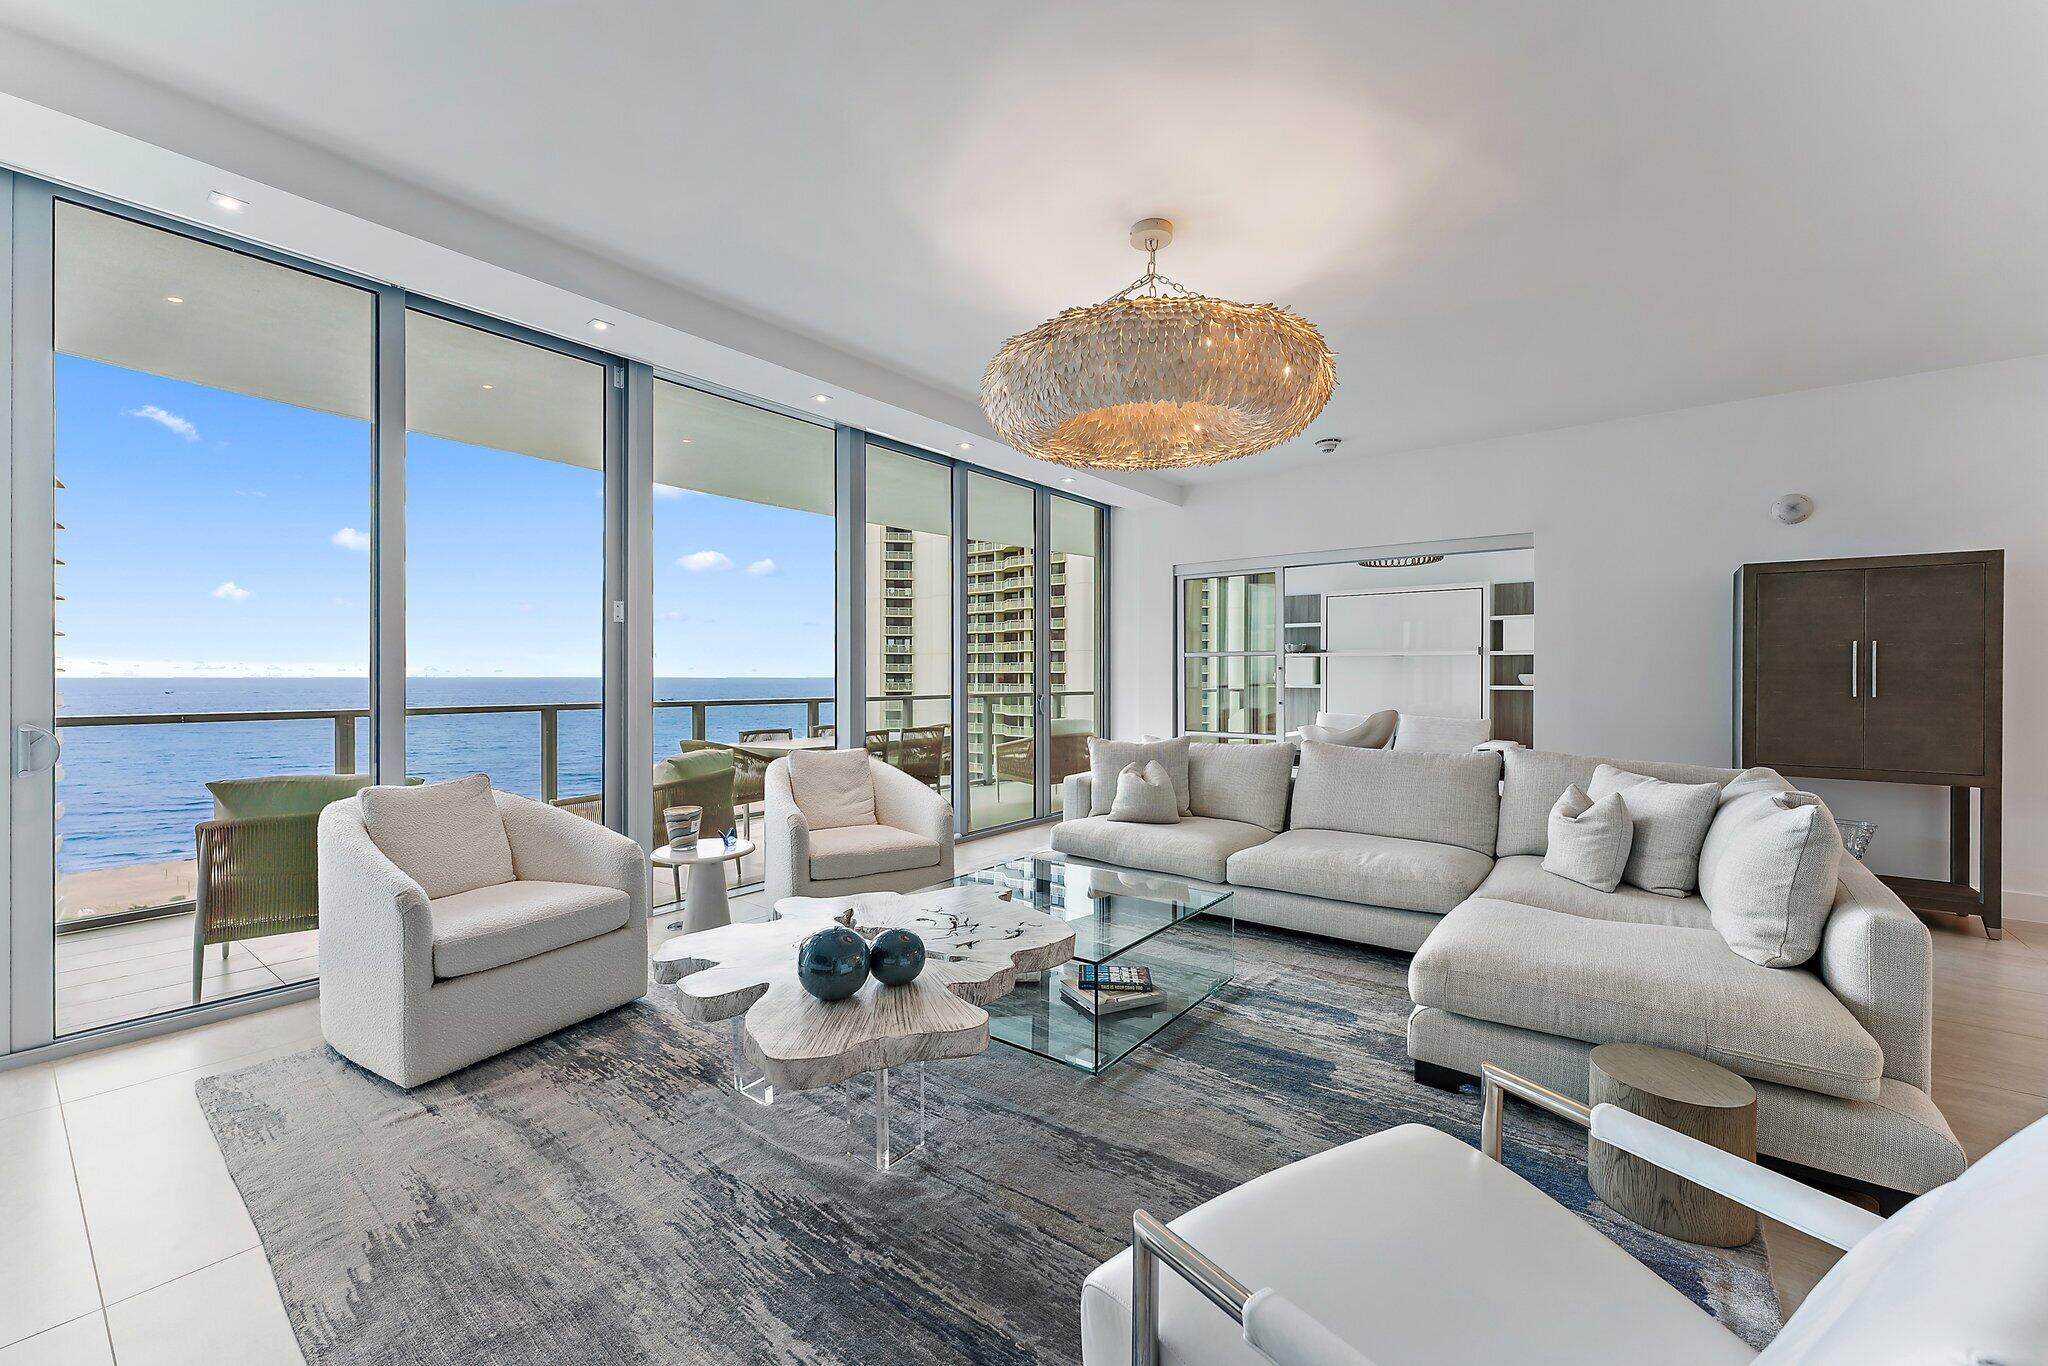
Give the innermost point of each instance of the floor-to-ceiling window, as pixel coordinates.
(1002, 704)
(213, 468)
(505, 545)
(909, 610)
(236, 509)
(745, 587)
(1074, 619)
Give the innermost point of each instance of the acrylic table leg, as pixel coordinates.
(896, 1136)
(747, 1079)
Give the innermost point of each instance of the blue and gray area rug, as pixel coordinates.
(600, 1196)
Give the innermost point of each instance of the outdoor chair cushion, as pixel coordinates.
(1371, 870)
(864, 850)
(282, 794)
(1605, 981)
(447, 837)
(1198, 847)
(489, 927)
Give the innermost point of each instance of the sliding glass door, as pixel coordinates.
(910, 620)
(744, 597)
(209, 619)
(504, 562)
(278, 530)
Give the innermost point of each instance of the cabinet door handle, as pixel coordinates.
(1852, 668)
(1873, 667)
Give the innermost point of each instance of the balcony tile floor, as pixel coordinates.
(127, 1242)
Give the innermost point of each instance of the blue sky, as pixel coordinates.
(213, 533)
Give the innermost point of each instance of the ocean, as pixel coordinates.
(132, 794)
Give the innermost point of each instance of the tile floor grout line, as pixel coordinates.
(99, 1285)
(43, 1332)
(256, 1246)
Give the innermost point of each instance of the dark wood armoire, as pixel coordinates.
(1891, 670)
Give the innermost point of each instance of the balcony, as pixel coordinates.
(125, 931)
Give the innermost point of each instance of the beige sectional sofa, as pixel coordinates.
(1441, 855)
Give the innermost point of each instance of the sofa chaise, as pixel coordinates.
(1440, 855)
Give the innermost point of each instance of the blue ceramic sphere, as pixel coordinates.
(896, 958)
(832, 964)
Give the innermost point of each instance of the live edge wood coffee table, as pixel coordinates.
(977, 940)
(1701, 1100)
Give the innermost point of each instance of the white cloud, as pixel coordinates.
(168, 421)
(703, 561)
(233, 592)
(671, 491)
(348, 538)
(761, 567)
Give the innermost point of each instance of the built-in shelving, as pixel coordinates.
(1511, 652)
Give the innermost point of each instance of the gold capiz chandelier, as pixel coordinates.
(1158, 377)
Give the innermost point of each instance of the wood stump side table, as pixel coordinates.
(1700, 1099)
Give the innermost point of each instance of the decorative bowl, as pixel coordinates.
(1526, 680)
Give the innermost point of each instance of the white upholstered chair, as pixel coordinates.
(457, 922)
(1408, 1246)
(840, 821)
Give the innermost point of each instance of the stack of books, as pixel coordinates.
(1109, 989)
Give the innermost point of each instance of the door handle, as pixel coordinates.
(1852, 668)
(28, 749)
(1873, 667)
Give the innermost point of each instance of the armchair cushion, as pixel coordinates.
(488, 927)
(448, 837)
(1411, 1247)
(832, 787)
(864, 850)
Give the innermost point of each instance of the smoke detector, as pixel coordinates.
(1328, 445)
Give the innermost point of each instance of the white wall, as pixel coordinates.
(1639, 526)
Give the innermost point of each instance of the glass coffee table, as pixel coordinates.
(1183, 933)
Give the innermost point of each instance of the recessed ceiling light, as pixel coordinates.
(490, 386)
(226, 203)
(600, 325)
(967, 445)
(686, 441)
(1068, 480)
(172, 299)
(821, 398)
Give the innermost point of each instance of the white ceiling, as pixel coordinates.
(1505, 216)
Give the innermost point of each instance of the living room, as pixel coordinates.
(848, 684)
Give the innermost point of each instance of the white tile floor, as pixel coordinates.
(122, 1238)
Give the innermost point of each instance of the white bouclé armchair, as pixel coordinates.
(457, 922)
(832, 828)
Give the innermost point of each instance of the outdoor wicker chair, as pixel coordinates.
(923, 754)
(258, 861)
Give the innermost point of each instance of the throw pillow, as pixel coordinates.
(1108, 758)
(1671, 821)
(1241, 782)
(448, 837)
(834, 788)
(1768, 869)
(1589, 840)
(1145, 795)
(1374, 732)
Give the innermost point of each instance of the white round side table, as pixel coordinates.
(705, 906)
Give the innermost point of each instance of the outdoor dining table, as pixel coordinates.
(772, 750)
